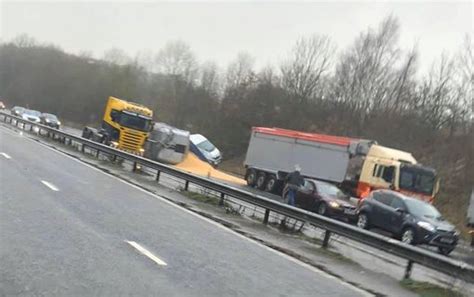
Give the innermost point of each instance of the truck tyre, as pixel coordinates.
(86, 133)
(251, 177)
(261, 178)
(271, 183)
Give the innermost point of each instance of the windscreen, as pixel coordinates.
(206, 145)
(135, 121)
(329, 190)
(33, 112)
(422, 209)
(50, 116)
(417, 180)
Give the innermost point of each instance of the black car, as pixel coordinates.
(411, 220)
(17, 111)
(50, 120)
(325, 199)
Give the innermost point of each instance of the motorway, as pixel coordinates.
(67, 229)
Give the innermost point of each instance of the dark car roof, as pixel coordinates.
(398, 194)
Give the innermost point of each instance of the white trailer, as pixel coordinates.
(273, 153)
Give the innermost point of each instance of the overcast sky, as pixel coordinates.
(218, 31)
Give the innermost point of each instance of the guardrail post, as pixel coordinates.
(327, 236)
(186, 185)
(221, 201)
(97, 153)
(408, 270)
(135, 166)
(265, 218)
(83, 146)
(157, 178)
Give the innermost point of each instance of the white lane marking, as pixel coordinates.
(5, 155)
(146, 252)
(362, 292)
(50, 185)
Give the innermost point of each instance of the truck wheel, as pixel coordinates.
(251, 177)
(271, 183)
(86, 133)
(260, 184)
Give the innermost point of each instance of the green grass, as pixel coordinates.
(201, 197)
(425, 289)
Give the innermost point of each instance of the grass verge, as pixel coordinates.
(425, 289)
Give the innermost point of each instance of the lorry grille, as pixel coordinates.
(131, 141)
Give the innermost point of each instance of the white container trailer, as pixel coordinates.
(273, 153)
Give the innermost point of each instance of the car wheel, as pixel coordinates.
(363, 221)
(322, 209)
(408, 236)
(271, 184)
(251, 177)
(260, 184)
(445, 250)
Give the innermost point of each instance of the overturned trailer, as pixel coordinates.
(167, 144)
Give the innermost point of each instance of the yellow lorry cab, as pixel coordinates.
(125, 125)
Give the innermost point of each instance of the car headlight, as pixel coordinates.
(334, 204)
(141, 150)
(47, 120)
(114, 144)
(59, 123)
(427, 226)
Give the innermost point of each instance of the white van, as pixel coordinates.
(207, 149)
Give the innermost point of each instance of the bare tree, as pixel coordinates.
(365, 74)
(177, 59)
(240, 72)
(116, 56)
(210, 80)
(308, 61)
(24, 40)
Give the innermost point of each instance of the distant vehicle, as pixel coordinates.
(325, 199)
(358, 165)
(125, 125)
(31, 115)
(205, 148)
(17, 111)
(50, 120)
(411, 220)
(2, 105)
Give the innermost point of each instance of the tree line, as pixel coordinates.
(372, 89)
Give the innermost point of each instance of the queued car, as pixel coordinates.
(17, 111)
(411, 220)
(51, 120)
(325, 199)
(31, 115)
(206, 148)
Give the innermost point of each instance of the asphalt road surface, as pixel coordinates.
(67, 229)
